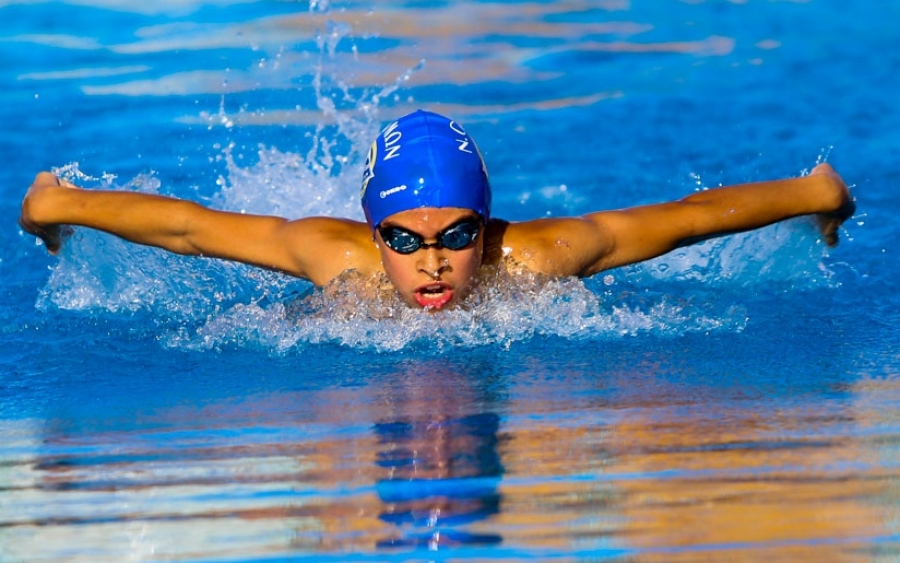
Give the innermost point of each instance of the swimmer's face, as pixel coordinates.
(433, 277)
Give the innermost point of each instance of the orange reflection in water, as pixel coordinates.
(438, 455)
(679, 480)
(458, 43)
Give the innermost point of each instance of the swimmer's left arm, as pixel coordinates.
(646, 232)
(599, 241)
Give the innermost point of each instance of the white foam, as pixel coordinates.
(502, 310)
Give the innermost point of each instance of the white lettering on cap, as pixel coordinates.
(392, 141)
(464, 142)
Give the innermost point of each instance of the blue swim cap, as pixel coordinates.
(424, 160)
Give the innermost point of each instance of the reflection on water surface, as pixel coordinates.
(441, 455)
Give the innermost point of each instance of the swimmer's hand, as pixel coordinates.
(842, 203)
(52, 234)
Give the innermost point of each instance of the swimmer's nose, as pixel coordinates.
(433, 263)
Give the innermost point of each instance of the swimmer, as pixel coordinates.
(429, 229)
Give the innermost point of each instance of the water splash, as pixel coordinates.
(505, 307)
(790, 253)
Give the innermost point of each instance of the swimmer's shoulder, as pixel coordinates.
(563, 246)
(326, 247)
(512, 241)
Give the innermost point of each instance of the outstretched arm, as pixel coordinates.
(304, 248)
(586, 245)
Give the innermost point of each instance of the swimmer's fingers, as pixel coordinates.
(828, 226)
(843, 207)
(52, 234)
(830, 223)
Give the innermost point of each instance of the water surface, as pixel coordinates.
(731, 401)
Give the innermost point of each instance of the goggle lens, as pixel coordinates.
(454, 237)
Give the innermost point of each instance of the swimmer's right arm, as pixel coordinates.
(300, 248)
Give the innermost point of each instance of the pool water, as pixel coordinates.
(735, 400)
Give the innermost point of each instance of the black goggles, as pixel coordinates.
(454, 237)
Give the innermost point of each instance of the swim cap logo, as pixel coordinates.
(385, 193)
(369, 170)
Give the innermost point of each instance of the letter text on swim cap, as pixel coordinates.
(464, 142)
(392, 141)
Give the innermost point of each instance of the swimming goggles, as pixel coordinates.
(454, 237)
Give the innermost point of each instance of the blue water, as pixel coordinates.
(736, 400)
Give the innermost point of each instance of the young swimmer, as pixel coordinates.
(426, 198)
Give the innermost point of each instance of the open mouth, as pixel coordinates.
(434, 295)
